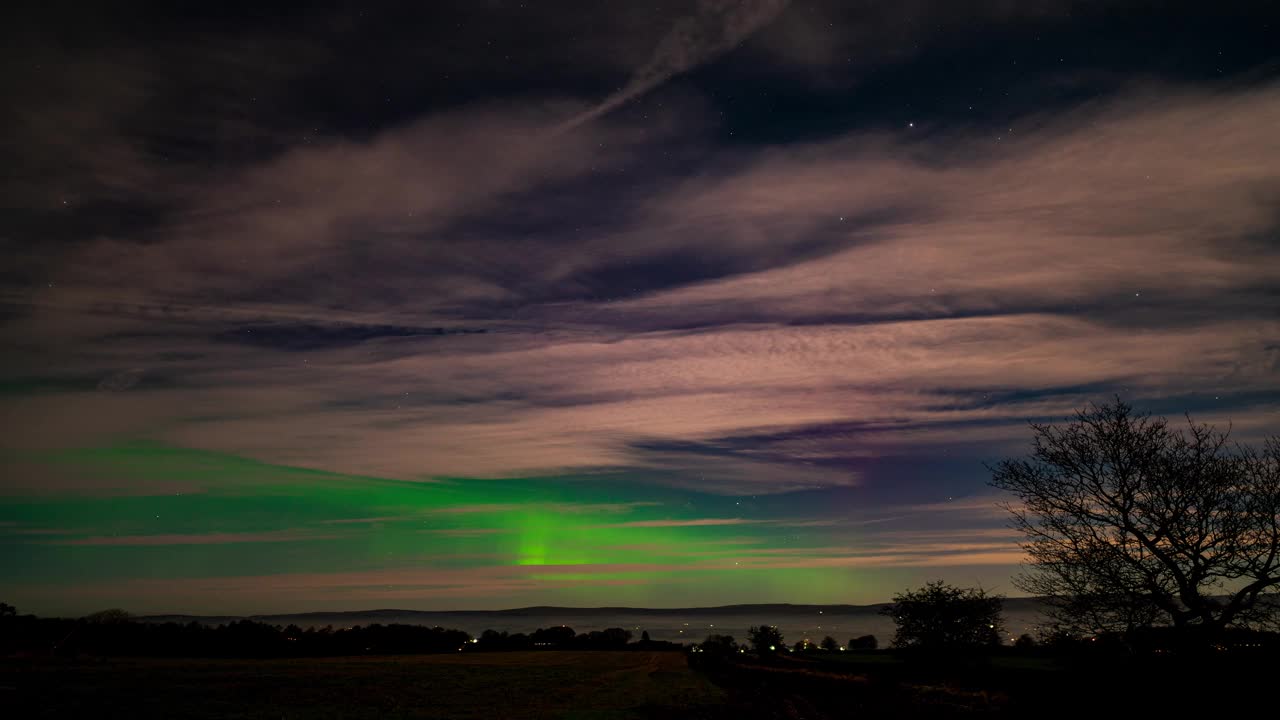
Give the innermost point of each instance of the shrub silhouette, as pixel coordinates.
(864, 642)
(719, 645)
(941, 617)
(553, 637)
(110, 616)
(607, 639)
(765, 639)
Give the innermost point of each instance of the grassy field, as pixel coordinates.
(586, 685)
(581, 685)
(871, 661)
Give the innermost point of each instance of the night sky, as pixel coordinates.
(603, 303)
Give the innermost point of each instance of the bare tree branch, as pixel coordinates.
(1130, 523)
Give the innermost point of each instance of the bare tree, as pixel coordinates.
(1131, 523)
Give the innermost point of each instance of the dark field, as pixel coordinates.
(479, 685)
(629, 684)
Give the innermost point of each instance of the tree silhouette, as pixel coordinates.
(942, 617)
(829, 643)
(719, 645)
(1131, 523)
(765, 639)
(558, 636)
(110, 616)
(864, 642)
(609, 638)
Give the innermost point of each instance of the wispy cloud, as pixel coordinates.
(467, 532)
(879, 296)
(566, 508)
(601, 308)
(362, 521)
(696, 522)
(196, 539)
(714, 27)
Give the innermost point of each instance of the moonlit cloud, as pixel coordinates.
(940, 305)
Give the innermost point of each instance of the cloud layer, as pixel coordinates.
(894, 286)
(800, 337)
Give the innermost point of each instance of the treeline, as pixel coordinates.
(114, 633)
(564, 638)
(768, 640)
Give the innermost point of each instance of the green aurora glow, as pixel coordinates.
(169, 518)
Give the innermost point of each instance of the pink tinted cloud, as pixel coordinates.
(196, 539)
(974, 281)
(1151, 191)
(696, 522)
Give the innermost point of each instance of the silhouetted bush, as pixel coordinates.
(765, 639)
(114, 633)
(864, 642)
(719, 645)
(607, 639)
(553, 637)
(940, 617)
(112, 616)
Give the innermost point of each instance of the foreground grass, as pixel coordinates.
(588, 685)
(572, 685)
(872, 661)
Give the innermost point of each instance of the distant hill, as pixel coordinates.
(757, 612)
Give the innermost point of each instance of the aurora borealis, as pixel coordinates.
(184, 524)
(488, 305)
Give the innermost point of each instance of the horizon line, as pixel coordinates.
(530, 608)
